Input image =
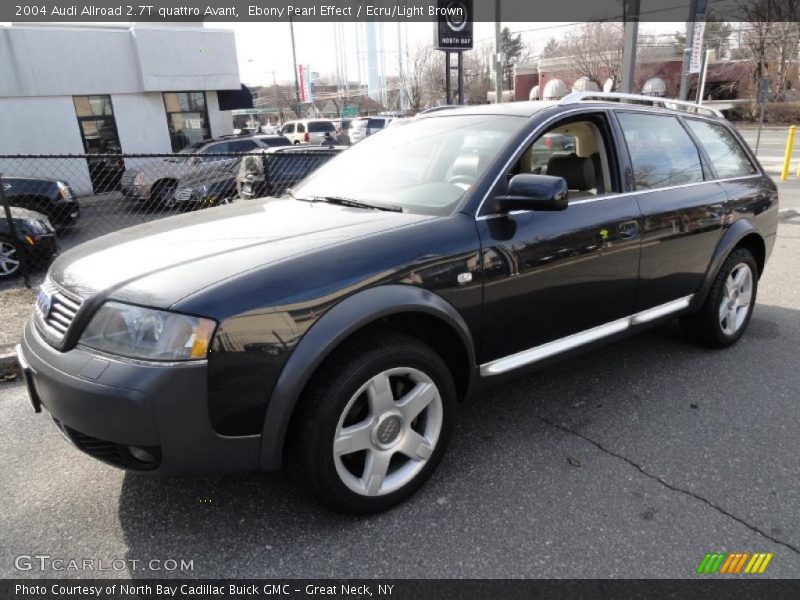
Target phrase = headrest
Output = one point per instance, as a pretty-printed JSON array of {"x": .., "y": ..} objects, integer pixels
[
  {"x": 577, "y": 171},
  {"x": 466, "y": 165}
]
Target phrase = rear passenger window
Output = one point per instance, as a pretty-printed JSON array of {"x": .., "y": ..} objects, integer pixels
[
  {"x": 215, "y": 149},
  {"x": 241, "y": 146},
  {"x": 727, "y": 155},
  {"x": 661, "y": 151}
]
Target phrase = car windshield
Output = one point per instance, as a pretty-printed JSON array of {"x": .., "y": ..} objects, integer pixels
[{"x": 422, "y": 166}]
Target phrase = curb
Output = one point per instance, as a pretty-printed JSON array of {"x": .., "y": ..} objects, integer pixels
[{"x": 9, "y": 367}]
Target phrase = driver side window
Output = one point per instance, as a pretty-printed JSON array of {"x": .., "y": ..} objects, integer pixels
[{"x": 580, "y": 152}]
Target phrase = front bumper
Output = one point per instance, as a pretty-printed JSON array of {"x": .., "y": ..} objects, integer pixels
[
  {"x": 44, "y": 246},
  {"x": 105, "y": 405},
  {"x": 137, "y": 193},
  {"x": 66, "y": 212}
]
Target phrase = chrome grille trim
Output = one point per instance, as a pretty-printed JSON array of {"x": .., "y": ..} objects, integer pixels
[
  {"x": 55, "y": 322},
  {"x": 183, "y": 195}
]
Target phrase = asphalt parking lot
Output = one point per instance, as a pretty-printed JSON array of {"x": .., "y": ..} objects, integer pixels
[{"x": 631, "y": 461}]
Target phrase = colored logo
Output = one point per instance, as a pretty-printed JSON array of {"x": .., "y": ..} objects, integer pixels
[{"x": 733, "y": 563}]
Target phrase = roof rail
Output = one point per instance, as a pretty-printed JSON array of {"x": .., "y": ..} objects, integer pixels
[{"x": 576, "y": 97}]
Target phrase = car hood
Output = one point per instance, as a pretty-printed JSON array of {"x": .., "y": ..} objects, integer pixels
[
  {"x": 23, "y": 214},
  {"x": 160, "y": 262},
  {"x": 159, "y": 168}
]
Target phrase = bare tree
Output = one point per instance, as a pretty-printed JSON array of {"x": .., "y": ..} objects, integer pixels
[
  {"x": 415, "y": 76},
  {"x": 771, "y": 38},
  {"x": 596, "y": 52},
  {"x": 479, "y": 71},
  {"x": 552, "y": 49}
]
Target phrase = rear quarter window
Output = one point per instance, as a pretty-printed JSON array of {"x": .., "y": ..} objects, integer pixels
[
  {"x": 276, "y": 141},
  {"x": 320, "y": 126},
  {"x": 662, "y": 152},
  {"x": 242, "y": 146},
  {"x": 727, "y": 156}
]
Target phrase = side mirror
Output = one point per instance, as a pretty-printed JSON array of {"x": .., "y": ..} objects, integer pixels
[{"x": 527, "y": 191}]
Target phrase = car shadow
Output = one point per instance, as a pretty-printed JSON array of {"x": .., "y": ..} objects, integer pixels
[{"x": 227, "y": 522}]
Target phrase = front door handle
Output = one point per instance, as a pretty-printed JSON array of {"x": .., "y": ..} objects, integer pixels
[{"x": 628, "y": 229}]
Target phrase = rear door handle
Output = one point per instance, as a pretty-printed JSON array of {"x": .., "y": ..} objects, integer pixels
[{"x": 628, "y": 229}]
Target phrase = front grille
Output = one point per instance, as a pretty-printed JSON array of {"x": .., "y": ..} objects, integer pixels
[
  {"x": 117, "y": 455},
  {"x": 183, "y": 195},
  {"x": 56, "y": 309}
]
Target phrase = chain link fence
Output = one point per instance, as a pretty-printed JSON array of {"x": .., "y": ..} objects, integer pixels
[{"x": 51, "y": 203}]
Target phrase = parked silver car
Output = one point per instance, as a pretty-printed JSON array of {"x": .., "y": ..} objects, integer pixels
[
  {"x": 308, "y": 131},
  {"x": 366, "y": 126},
  {"x": 156, "y": 180}
]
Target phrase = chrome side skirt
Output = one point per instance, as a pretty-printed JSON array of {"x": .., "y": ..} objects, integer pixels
[{"x": 537, "y": 353}]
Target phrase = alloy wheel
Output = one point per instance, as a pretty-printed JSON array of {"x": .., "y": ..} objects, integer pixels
[
  {"x": 9, "y": 263},
  {"x": 736, "y": 299},
  {"x": 388, "y": 431}
]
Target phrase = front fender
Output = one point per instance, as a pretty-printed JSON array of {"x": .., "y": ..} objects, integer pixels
[
  {"x": 328, "y": 332},
  {"x": 730, "y": 239}
]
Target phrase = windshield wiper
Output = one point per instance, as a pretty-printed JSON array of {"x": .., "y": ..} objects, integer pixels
[{"x": 341, "y": 201}]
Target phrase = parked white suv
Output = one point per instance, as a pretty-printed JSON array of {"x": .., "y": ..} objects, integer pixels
[
  {"x": 308, "y": 131},
  {"x": 366, "y": 126}
]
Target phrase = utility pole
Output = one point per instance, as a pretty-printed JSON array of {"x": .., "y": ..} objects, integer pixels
[
  {"x": 277, "y": 98},
  {"x": 401, "y": 74},
  {"x": 629, "y": 48},
  {"x": 498, "y": 45},
  {"x": 687, "y": 51},
  {"x": 297, "y": 108}
]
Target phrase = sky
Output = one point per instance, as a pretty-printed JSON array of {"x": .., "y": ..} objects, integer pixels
[{"x": 265, "y": 48}]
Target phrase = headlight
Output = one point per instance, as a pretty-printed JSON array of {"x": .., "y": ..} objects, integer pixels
[
  {"x": 63, "y": 189},
  {"x": 138, "y": 180},
  {"x": 31, "y": 226},
  {"x": 136, "y": 332}
]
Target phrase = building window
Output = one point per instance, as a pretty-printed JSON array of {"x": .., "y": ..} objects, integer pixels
[
  {"x": 187, "y": 118},
  {"x": 99, "y": 135},
  {"x": 98, "y": 128}
]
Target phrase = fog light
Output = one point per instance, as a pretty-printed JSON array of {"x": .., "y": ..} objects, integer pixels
[{"x": 141, "y": 454}]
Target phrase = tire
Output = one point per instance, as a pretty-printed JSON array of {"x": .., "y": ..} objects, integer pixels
[
  {"x": 161, "y": 195},
  {"x": 350, "y": 427},
  {"x": 9, "y": 258},
  {"x": 729, "y": 305}
]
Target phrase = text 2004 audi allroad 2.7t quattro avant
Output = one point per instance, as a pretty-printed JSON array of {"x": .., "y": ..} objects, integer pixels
[{"x": 340, "y": 326}]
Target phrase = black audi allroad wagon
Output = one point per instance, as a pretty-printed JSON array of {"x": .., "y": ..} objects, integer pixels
[{"x": 338, "y": 328}]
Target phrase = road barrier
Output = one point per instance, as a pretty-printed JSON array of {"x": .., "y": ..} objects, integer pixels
[{"x": 89, "y": 195}]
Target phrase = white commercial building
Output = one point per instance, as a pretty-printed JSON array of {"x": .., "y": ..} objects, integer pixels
[{"x": 132, "y": 88}]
